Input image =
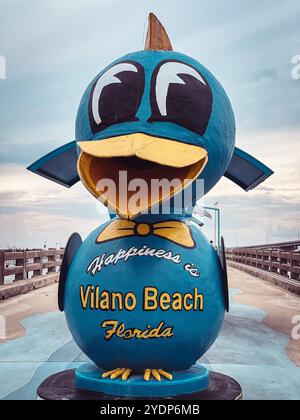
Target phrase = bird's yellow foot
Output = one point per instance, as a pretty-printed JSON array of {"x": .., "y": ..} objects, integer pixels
[
  {"x": 121, "y": 373},
  {"x": 157, "y": 374}
]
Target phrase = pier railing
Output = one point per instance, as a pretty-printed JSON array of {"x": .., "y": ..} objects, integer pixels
[
  {"x": 281, "y": 259},
  {"x": 25, "y": 264}
]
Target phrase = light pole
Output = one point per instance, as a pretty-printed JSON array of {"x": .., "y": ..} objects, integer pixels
[
  {"x": 217, "y": 223},
  {"x": 267, "y": 232},
  {"x": 215, "y": 230}
]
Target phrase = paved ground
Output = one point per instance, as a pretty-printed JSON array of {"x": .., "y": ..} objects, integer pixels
[{"x": 254, "y": 347}]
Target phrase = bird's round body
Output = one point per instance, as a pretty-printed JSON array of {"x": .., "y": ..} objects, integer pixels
[
  {"x": 155, "y": 130},
  {"x": 143, "y": 301}
]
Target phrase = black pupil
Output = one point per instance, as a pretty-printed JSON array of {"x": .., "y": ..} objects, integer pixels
[
  {"x": 119, "y": 102},
  {"x": 188, "y": 105}
]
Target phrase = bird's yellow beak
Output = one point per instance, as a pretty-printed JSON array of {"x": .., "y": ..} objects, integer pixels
[{"x": 141, "y": 157}]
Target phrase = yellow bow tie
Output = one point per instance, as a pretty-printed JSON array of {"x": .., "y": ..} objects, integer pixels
[{"x": 172, "y": 230}]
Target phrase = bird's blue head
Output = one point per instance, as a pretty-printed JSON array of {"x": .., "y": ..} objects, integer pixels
[{"x": 155, "y": 115}]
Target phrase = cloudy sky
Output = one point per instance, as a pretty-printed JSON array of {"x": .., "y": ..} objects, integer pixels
[{"x": 53, "y": 48}]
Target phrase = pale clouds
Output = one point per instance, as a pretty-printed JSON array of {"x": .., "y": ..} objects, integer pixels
[
  {"x": 271, "y": 211},
  {"x": 34, "y": 210}
]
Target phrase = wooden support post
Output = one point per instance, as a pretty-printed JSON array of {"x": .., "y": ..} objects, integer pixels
[
  {"x": 42, "y": 261},
  {"x": 273, "y": 260},
  {"x": 2, "y": 266},
  {"x": 278, "y": 259},
  {"x": 38, "y": 260},
  {"x": 25, "y": 276},
  {"x": 57, "y": 260},
  {"x": 51, "y": 258},
  {"x": 21, "y": 263},
  {"x": 291, "y": 264}
]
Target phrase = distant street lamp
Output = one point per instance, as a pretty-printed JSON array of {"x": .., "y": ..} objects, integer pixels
[
  {"x": 203, "y": 212},
  {"x": 267, "y": 232},
  {"x": 215, "y": 229},
  {"x": 217, "y": 225}
]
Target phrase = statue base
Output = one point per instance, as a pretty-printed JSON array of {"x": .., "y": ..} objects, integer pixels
[
  {"x": 61, "y": 386},
  {"x": 89, "y": 378}
]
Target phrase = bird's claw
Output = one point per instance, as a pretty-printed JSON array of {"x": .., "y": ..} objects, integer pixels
[
  {"x": 157, "y": 374},
  {"x": 125, "y": 373},
  {"x": 122, "y": 373}
]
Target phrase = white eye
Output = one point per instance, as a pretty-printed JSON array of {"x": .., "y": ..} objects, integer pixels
[
  {"x": 108, "y": 78},
  {"x": 170, "y": 73}
]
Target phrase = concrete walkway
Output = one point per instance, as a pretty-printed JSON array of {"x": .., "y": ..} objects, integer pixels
[{"x": 255, "y": 345}]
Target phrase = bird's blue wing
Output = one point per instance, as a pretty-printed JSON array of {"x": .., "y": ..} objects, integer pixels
[
  {"x": 246, "y": 171},
  {"x": 59, "y": 166},
  {"x": 223, "y": 263},
  {"x": 72, "y": 247}
]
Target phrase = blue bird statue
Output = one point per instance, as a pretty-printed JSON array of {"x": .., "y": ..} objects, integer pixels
[{"x": 145, "y": 294}]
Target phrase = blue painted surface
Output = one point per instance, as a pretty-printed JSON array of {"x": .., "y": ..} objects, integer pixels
[
  {"x": 246, "y": 349},
  {"x": 218, "y": 139},
  {"x": 45, "y": 159},
  {"x": 246, "y": 171},
  {"x": 184, "y": 382},
  {"x": 193, "y": 331}
]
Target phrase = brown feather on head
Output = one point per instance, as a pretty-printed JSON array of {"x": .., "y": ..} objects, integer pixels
[{"x": 157, "y": 38}]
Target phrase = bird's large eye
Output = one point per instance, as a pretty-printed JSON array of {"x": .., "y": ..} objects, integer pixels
[
  {"x": 181, "y": 95},
  {"x": 116, "y": 95}
]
